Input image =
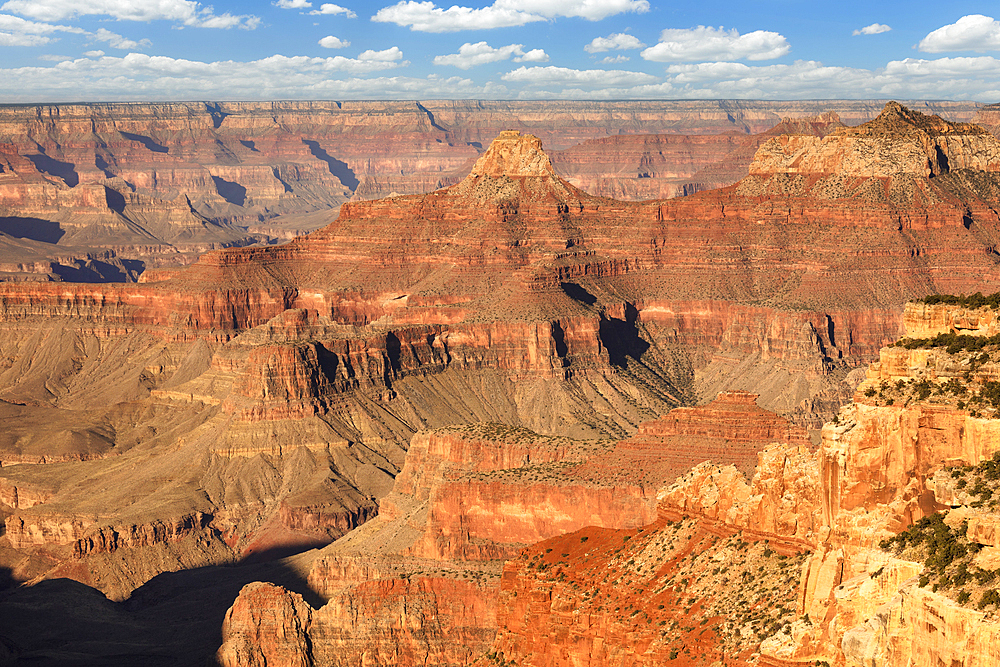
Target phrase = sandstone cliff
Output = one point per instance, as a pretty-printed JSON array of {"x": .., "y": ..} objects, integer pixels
[
  {"x": 260, "y": 401},
  {"x": 98, "y": 192},
  {"x": 419, "y": 583},
  {"x": 866, "y": 593}
]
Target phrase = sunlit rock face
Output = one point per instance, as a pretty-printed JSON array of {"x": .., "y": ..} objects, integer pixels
[{"x": 262, "y": 400}]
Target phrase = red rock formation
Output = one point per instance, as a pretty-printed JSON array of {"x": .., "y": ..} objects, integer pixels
[
  {"x": 489, "y": 491},
  {"x": 660, "y": 166},
  {"x": 423, "y": 620},
  {"x": 275, "y": 389},
  {"x": 730, "y": 430},
  {"x": 159, "y": 183},
  {"x": 642, "y": 598},
  {"x": 267, "y": 626}
]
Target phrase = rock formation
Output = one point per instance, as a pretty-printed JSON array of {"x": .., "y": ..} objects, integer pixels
[
  {"x": 260, "y": 401},
  {"x": 99, "y": 192},
  {"x": 659, "y": 166},
  {"x": 419, "y": 583}
]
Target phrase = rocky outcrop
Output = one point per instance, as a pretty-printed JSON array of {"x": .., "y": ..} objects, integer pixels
[
  {"x": 424, "y": 620},
  {"x": 489, "y": 491},
  {"x": 899, "y": 141},
  {"x": 882, "y": 467},
  {"x": 731, "y": 430},
  {"x": 781, "y": 503},
  {"x": 644, "y": 597},
  {"x": 266, "y": 626}
]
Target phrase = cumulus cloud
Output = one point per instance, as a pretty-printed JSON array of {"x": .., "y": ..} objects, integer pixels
[
  {"x": 708, "y": 43},
  {"x": 329, "y": 8},
  {"x": 93, "y": 54},
  {"x": 481, "y": 53},
  {"x": 974, "y": 32},
  {"x": 116, "y": 41},
  {"x": 546, "y": 76},
  {"x": 611, "y": 60},
  {"x": 21, "y": 39},
  {"x": 616, "y": 41},
  {"x": 293, "y": 4},
  {"x": 331, "y": 42},
  {"x": 385, "y": 56},
  {"x": 427, "y": 17},
  {"x": 188, "y": 12},
  {"x": 873, "y": 29},
  {"x": 143, "y": 77},
  {"x": 533, "y": 56}
]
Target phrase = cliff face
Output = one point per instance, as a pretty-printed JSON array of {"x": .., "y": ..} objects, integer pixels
[
  {"x": 660, "y": 166},
  {"x": 261, "y": 401},
  {"x": 865, "y": 592},
  {"x": 98, "y": 192},
  {"x": 422, "y": 582}
]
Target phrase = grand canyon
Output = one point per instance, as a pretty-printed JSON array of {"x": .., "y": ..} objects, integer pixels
[{"x": 477, "y": 383}]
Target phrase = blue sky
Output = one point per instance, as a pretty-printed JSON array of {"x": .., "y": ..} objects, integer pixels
[{"x": 119, "y": 50}]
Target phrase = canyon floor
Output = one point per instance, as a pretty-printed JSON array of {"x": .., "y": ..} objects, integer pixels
[{"x": 510, "y": 421}]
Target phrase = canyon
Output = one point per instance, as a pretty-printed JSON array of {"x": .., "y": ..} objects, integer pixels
[
  {"x": 878, "y": 547},
  {"x": 101, "y": 192},
  {"x": 418, "y": 433}
]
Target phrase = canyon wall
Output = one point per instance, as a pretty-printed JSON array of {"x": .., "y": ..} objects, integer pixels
[
  {"x": 261, "y": 401},
  {"x": 99, "y": 192},
  {"x": 425, "y": 583}
]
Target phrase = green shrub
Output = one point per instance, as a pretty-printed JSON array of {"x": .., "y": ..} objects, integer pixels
[
  {"x": 976, "y": 300},
  {"x": 989, "y": 597}
]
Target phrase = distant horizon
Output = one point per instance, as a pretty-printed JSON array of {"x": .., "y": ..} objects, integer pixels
[
  {"x": 587, "y": 50},
  {"x": 417, "y": 100}
]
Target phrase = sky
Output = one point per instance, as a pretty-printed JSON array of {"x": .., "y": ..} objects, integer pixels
[{"x": 149, "y": 50}]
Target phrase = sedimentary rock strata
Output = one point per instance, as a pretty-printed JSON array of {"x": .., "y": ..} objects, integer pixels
[
  {"x": 99, "y": 192},
  {"x": 261, "y": 401},
  {"x": 419, "y": 583}
]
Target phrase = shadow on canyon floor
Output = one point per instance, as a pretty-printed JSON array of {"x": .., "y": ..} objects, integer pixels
[
  {"x": 173, "y": 619},
  {"x": 34, "y": 229}
]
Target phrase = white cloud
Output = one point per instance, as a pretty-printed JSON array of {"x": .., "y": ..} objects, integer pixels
[
  {"x": 481, "y": 53},
  {"x": 543, "y": 76},
  {"x": 427, "y": 17},
  {"x": 616, "y": 41},
  {"x": 385, "y": 56},
  {"x": 328, "y": 8},
  {"x": 611, "y": 60},
  {"x": 21, "y": 39},
  {"x": 293, "y": 4},
  {"x": 116, "y": 41},
  {"x": 533, "y": 56},
  {"x": 708, "y": 43},
  {"x": 592, "y": 10},
  {"x": 188, "y": 12},
  {"x": 93, "y": 54},
  {"x": 974, "y": 32},
  {"x": 15, "y": 31},
  {"x": 331, "y": 42},
  {"x": 142, "y": 77},
  {"x": 944, "y": 78},
  {"x": 873, "y": 29}
]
